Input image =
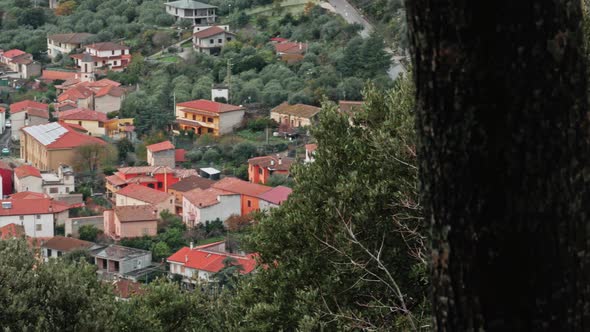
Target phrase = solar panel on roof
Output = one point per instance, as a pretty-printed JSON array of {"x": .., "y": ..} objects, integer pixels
[{"x": 47, "y": 133}]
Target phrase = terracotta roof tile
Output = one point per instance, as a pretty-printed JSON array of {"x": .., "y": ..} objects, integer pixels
[
  {"x": 82, "y": 114},
  {"x": 311, "y": 147},
  {"x": 33, "y": 206},
  {"x": 192, "y": 182},
  {"x": 211, "y": 261},
  {"x": 205, "y": 198},
  {"x": 66, "y": 244},
  {"x": 276, "y": 195},
  {"x": 26, "y": 170},
  {"x": 350, "y": 107},
  {"x": 75, "y": 93},
  {"x": 66, "y": 138},
  {"x": 28, "y": 195},
  {"x": 241, "y": 187},
  {"x": 144, "y": 194},
  {"x": 272, "y": 162},
  {"x": 110, "y": 90},
  {"x": 13, "y": 53},
  {"x": 107, "y": 46},
  {"x": 27, "y": 104},
  {"x": 179, "y": 155},
  {"x": 210, "y": 106},
  {"x": 136, "y": 213},
  {"x": 291, "y": 47},
  {"x": 162, "y": 146},
  {"x": 11, "y": 231},
  {"x": 211, "y": 31}
]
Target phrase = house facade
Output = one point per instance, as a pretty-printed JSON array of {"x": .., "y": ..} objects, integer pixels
[
  {"x": 21, "y": 62},
  {"x": 135, "y": 194},
  {"x": 161, "y": 154},
  {"x": 294, "y": 116},
  {"x": 197, "y": 12},
  {"x": 93, "y": 121},
  {"x": 66, "y": 43},
  {"x": 249, "y": 192},
  {"x": 208, "y": 117},
  {"x": 185, "y": 185},
  {"x": 98, "y": 58},
  {"x": 51, "y": 145},
  {"x": 58, "y": 184},
  {"x": 261, "y": 168},
  {"x": 155, "y": 177},
  {"x": 38, "y": 216},
  {"x": 199, "y": 264},
  {"x": 27, "y": 178},
  {"x": 210, "y": 40},
  {"x": 274, "y": 197},
  {"x": 27, "y": 113},
  {"x": 118, "y": 260},
  {"x": 131, "y": 221},
  {"x": 57, "y": 246},
  {"x": 200, "y": 205}
]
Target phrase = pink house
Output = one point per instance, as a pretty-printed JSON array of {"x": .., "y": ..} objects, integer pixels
[{"x": 131, "y": 221}]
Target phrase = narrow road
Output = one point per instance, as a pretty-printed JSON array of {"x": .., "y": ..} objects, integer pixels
[{"x": 352, "y": 15}]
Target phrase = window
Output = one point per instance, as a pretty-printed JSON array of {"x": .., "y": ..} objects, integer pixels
[
  {"x": 209, "y": 119},
  {"x": 115, "y": 63},
  {"x": 38, "y": 227},
  {"x": 59, "y": 254},
  {"x": 228, "y": 39},
  {"x": 100, "y": 125},
  {"x": 160, "y": 185},
  {"x": 53, "y": 190},
  {"x": 209, "y": 130},
  {"x": 49, "y": 252},
  {"x": 299, "y": 123},
  {"x": 67, "y": 190},
  {"x": 211, "y": 41},
  {"x": 113, "y": 52},
  {"x": 220, "y": 40},
  {"x": 104, "y": 264},
  {"x": 151, "y": 185},
  {"x": 38, "y": 216},
  {"x": 116, "y": 266},
  {"x": 249, "y": 203},
  {"x": 21, "y": 218},
  {"x": 194, "y": 117},
  {"x": 96, "y": 64},
  {"x": 260, "y": 171}
]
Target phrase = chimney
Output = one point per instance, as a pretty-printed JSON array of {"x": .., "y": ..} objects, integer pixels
[{"x": 191, "y": 245}]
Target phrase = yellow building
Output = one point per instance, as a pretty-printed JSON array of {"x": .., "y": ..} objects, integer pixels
[
  {"x": 49, "y": 145},
  {"x": 208, "y": 117},
  {"x": 92, "y": 121}
]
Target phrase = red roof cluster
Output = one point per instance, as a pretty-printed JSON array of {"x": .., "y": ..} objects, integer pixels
[
  {"x": 200, "y": 258},
  {"x": 204, "y": 198},
  {"x": 22, "y": 207},
  {"x": 55, "y": 75},
  {"x": 75, "y": 93},
  {"x": 83, "y": 114},
  {"x": 13, "y": 53},
  {"x": 291, "y": 48},
  {"x": 144, "y": 194},
  {"x": 27, "y": 105},
  {"x": 26, "y": 170},
  {"x": 162, "y": 146},
  {"x": 210, "y": 106},
  {"x": 241, "y": 187},
  {"x": 11, "y": 231}
]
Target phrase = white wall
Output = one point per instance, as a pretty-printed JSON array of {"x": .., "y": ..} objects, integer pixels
[
  {"x": 265, "y": 206},
  {"x": 230, "y": 120},
  {"x": 128, "y": 201},
  {"x": 18, "y": 121},
  {"x": 228, "y": 205},
  {"x": 30, "y": 223},
  {"x": 29, "y": 183}
]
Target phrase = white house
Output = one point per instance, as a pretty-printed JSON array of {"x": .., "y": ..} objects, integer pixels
[
  {"x": 28, "y": 178},
  {"x": 199, "y": 13},
  {"x": 199, "y": 206},
  {"x": 210, "y": 40},
  {"x": 65, "y": 43},
  {"x": 60, "y": 183},
  {"x": 199, "y": 264},
  {"x": 37, "y": 216}
]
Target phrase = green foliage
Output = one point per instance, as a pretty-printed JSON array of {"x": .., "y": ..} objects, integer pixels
[
  {"x": 124, "y": 146},
  {"x": 89, "y": 233},
  {"x": 211, "y": 156},
  {"x": 242, "y": 152},
  {"x": 280, "y": 180}
]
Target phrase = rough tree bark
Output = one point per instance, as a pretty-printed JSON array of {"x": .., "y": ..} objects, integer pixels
[{"x": 504, "y": 147}]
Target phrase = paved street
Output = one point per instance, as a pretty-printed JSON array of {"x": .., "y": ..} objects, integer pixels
[
  {"x": 5, "y": 141},
  {"x": 352, "y": 15}
]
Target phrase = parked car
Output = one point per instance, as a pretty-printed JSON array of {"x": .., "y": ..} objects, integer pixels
[
  {"x": 5, "y": 151},
  {"x": 8, "y": 124}
]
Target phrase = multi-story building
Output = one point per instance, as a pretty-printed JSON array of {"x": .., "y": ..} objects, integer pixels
[
  {"x": 98, "y": 58},
  {"x": 37, "y": 215},
  {"x": 21, "y": 63},
  {"x": 131, "y": 221},
  {"x": 27, "y": 113},
  {"x": 260, "y": 169},
  {"x": 50, "y": 145},
  {"x": 208, "y": 117},
  {"x": 197, "y": 12},
  {"x": 58, "y": 184},
  {"x": 210, "y": 40},
  {"x": 185, "y": 185},
  {"x": 134, "y": 195},
  {"x": 200, "y": 206},
  {"x": 155, "y": 177},
  {"x": 161, "y": 154},
  {"x": 249, "y": 192},
  {"x": 66, "y": 43},
  {"x": 92, "y": 121},
  {"x": 119, "y": 261},
  {"x": 59, "y": 245},
  {"x": 28, "y": 178},
  {"x": 294, "y": 116}
]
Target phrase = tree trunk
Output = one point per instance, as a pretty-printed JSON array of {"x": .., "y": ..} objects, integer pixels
[{"x": 504, "y": 157}]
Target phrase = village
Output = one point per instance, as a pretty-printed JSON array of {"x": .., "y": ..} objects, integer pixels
[{"x": 173, "y": 211}]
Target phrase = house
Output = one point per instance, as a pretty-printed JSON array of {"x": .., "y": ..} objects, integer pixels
[
  {"x": 98, "y": 58},
  {"x": 201, "y": 205},
  {"x": 260, "y": 169},
  {"x": 210, "y": 40},
  {"x": 37, "y": 215},
  {"x": 288, "y": 47},
  {"x": 114, "y": 260},
  {"x": 198, "y": 13},
  {"x": 310, "y": 152},
  {"x": 80, "y": 95},
  {"x": 208, "y": 117},
  {"x": 66, "y": 43},
  {"x": 109, "y": 99},
  {"x": 103, "y": 96},
  {"x": 92, "y": 121},
  {"x": 7, "y": 175},
  {"x": 28, "y": 178},
  {"x": 199, "y": 264},
  {"x": 121, "y": 128},
  {"x": 131, "y": 221},
  {"x": 161, "y": 154},
  {"x": 135, "y": 194},
  {"x": 185, "y": 185},
  {"x": 50, "y": 145},
  {"x": 27, "y": 113},
  {"x": 249, "y": 192},
  {"x": 60, "y": 184},
  {"x": 274, "y": 197},
  {"x": 124, "y": 289},
  {"x": 294, "y": 116},
  {"x": 21, "y": 63},
  {"x": 59, "y": 245},
  {"x": 155, "y": 177}
]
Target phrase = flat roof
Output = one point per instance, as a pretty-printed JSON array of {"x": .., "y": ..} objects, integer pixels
[{"x": 189, "y": 4}]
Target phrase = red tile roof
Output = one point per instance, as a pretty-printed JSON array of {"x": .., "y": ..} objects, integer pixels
[
  {"x": 83, "y": 114},
  {"x": 299, "y": 110},
  {"x": 2, "y": 109},
  {"x": 11, "y": 231},
  {"x": 75, "y": 93},
  {"x": 279, "y": 39},
  {"x": 179, "y": 155},
  {"x": 276, "y": 195},
  {"x": 26, "y": 170},
  {"x": 291, "y": 47},
  {"x": 145, "y": 170},
  {"x": 125, "y": 288},
  {"x": 144, "y": 194},
  {"x": 350, "y": 107},
  {"x": 67, "y": 140},
  {"x": 38, "y": 113},
  {"x": 115, "y": 180},
  {"x": 136, "y": 213},
  {"x": 66, "y": 244},
  {"x": 204, "y": 198},
  {"x": 241, "y": 187},
  {"x": 13, "y": 53},
  {"x": 162, "y": 146},
  {"x": 74, "y": 126},
  {"x": 22, "y": 207},
  {"x": 211, "y": 31},
  {"x": 191, "y": 182},
  {"x": 200, "y": 258},
  {"x": 210, "y": 106},
  {"x": 311, "y": 147},
  {"x": 110, "y": 90},
  {"x": 27, "y": 104},
  {"x": 272, "y": 162},
  {"x": 28, "y": 195}
]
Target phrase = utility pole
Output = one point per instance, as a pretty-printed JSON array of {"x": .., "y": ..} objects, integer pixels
[{"x": 228, "y": 79}]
